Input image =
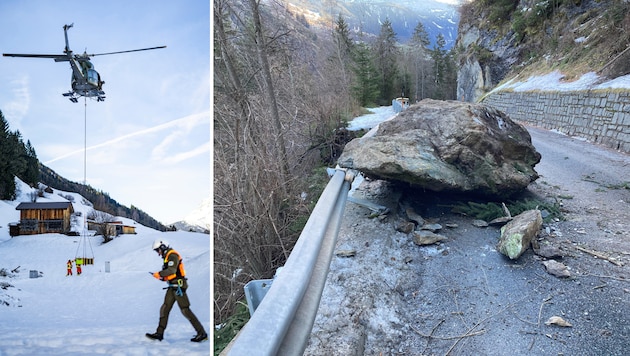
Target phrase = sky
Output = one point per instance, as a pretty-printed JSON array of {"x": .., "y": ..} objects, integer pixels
[
  {"x": 99, "y": 312},
  {"x": 148, "y": 143}
]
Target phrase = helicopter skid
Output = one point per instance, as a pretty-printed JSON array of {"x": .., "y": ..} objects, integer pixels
[{"x": 74, "y": 97}]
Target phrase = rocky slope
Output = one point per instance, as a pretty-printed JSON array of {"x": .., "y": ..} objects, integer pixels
[{"x": 496, "y": 42}]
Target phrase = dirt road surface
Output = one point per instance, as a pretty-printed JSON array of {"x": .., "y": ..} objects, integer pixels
[{"x": 462, "y": 297}]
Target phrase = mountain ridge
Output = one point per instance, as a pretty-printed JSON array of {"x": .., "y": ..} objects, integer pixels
[{"x": 367, "y": 16}]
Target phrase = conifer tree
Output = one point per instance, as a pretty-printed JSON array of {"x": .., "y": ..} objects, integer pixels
[
  {"x": 420, "y": 37},
  {"x": 342, "y": 60},
  {"x": 17, "y": 154},
  {"x": 342, "y": 39},
  {"x": 419, "y": 44},
  {"x": 365, "y": 89},
  {"x": 386, "y": 54},
  {"x": 31, "y": 174},
  {"x": 7, "y": 182},
  {"x": 439, "y": 67}
]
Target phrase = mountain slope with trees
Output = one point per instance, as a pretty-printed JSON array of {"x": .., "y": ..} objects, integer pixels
[
  {"x": 101, "y": 200},
  {"x": 504, "y": 39},
  {"x": 18, "y": 159}
]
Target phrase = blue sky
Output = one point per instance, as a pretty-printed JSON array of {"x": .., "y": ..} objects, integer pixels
[{"x": 149, "y": 141}]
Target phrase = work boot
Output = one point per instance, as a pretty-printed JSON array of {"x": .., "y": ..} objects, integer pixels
[
  {"x": 200, "y": 337},
  {"x": 155, "y": 336}
]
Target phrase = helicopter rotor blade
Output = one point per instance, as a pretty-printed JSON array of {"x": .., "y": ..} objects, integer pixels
[
  {"x": 56, "y": 57},
  {"x": 133, "y": 50}
]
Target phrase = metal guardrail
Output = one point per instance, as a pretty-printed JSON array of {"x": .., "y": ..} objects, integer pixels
[{"x": 284, "y": 319}]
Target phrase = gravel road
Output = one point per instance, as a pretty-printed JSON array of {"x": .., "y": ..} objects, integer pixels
[{"x": 461, "y": 297}]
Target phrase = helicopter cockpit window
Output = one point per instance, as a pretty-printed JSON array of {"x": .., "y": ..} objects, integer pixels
[{"x": 92, "y": 77}]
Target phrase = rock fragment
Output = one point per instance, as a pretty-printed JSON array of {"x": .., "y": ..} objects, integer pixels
[
  {"x": 517, "y": 235},
  {"x": 425, "y": 237},
  {"x": 557, "y": 269}
]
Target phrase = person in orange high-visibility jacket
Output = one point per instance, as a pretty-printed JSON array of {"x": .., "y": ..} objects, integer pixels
[
  {"x": 174, "y": 274},
  {"x": 69, "y": 266}
]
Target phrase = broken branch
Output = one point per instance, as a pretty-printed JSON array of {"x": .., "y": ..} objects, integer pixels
[
  {"x": 599, "y": 255},
  {"x": 468, "y": 334}
]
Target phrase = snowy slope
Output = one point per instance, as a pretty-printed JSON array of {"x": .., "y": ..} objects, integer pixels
[
  {"x": 97, "y": 313},
  {"x": 201, "y": 216},
  {"x": 198, "y": 220}
]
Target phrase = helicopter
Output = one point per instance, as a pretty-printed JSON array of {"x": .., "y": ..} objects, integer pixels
[{"x": 85, "y": 81}]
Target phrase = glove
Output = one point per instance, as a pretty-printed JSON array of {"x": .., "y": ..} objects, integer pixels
[{"x": 157, "y": 275}]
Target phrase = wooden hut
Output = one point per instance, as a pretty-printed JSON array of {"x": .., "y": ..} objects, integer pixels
[
  {"x": 112, "y": 228},
  {"x": 45, "y": 217},
  {"x": 122, "y": 228}
]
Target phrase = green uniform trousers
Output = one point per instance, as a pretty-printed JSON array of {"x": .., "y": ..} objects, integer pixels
[{"x": 184, "y": 305}]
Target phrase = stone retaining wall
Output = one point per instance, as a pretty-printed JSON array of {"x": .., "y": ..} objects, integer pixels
[{"x": 600, "y": 116}]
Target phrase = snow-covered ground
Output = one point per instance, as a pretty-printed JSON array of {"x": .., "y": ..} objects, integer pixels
[
  {"x": 368, "y": 121},
  {"x": 99, "y": 312},
  {"x": 555, "y": 81}
]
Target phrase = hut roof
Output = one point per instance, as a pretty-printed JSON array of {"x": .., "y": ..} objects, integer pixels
[{"x": 44, "y": 206}]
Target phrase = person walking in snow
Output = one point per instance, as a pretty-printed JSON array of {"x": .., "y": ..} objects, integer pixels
[
  {"x": 69, "y": 267},
  {"x": 77, "y": 262},
  {"x": 174, "y": 274}
]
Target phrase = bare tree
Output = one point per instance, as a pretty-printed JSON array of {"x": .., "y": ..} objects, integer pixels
[
  {"x": 261, "y": 49},
  {"x": 102, "y": 220},
  {"x": 273, "y": 101}
]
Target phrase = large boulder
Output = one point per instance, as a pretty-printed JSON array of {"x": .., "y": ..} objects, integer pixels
[{"x": 448, "y": 146}]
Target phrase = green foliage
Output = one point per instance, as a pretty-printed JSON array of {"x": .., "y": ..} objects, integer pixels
[
  {"x": 518, "y": 25},
  {"x": 16, "y": 160},
  {"x": 490, "y": 210},
  {"x": 483, "y": 211},
  {"x": 386, "y": 54},
  {"x": 444, "y": 71},
  {"x": 499, "y": 10},
  {"x": 617, "y": 12},
  {"x": 230, "y": 327},
  {"x": 483, "y": 55},
  {"x": 420, "y": 37},
  {"x": 341, "y": 37},
  {"x": 365, "y": 89}
]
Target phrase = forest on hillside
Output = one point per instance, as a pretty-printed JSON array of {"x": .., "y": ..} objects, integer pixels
[
  {"x": 284, "y": 91},
  {"x": 101, "y": 200},
  {"x": 18, "y": 159}
]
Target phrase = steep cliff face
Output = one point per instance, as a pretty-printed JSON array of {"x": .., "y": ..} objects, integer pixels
[
  {"x": 499, "y": 39},
  {"x": 489, "y": 57}
]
